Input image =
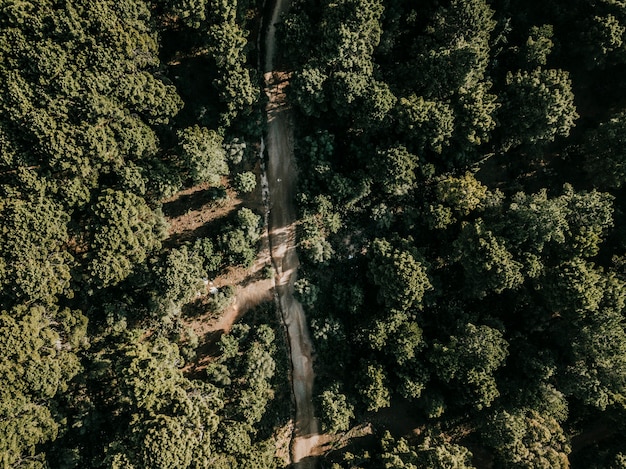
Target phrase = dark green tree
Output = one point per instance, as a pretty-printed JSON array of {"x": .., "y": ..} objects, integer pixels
[
  {"x": 400, "y": 275},
  {"x": 468, "y": 360},
  {"x": 604, "y": 154},
  {"x": 538, "y": 106}
]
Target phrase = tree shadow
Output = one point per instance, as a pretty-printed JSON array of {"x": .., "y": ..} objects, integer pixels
[
  {"x": 310, "y": 462},
  {"x": 194, "y": 201}
]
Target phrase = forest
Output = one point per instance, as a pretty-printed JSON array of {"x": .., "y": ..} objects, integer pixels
[{"x": 461, "y": 233}]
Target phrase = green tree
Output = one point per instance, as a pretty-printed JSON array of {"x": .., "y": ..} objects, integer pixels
[
  {"x": 538, "y": 106},
  {"x": 374, "y": 388},
  {"x": 203, "y": 155},
  {"x": 538, "y": 46},
  {"x": 593, "y": 340},
  {"x": 603, "y": 38},
  {"x": 39, "y": 349},
  {"x": 34, "y": 266},
  {"x": 250, "y": 223},
  {"x": 308, "y": 91},
  {"x": 245, "y": 182},
  {"x": 526, "y": 439},
  {"x": 193, "y": 13},
  {"x": 433, "y": 452},
  {"x": 604, "y": 153},
  {"x": 570, "y": 225},
  {"x": 475, "y": 115},
  {"x": 395, "y": 169},
  {"x": 464, "y": 195},
  {"x": 211, "y": 259},
  {"x": 336, "y": 410},
  {"x": 487, "y": 263},
  {"x": 468, "y": 361},
  {"x": 400, "y": 275},
  {"x": 179, "y": 277},
  {"x": 429, "y": 124},
  {"x": 125, "y": 232},
  {"x": 172, "y": 419}
]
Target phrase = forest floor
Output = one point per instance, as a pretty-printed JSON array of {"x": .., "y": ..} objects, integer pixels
[
  {"x": 282, "y": 174},
  {"x": 191, "y": 214}
]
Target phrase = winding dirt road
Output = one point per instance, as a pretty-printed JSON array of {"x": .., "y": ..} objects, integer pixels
[{"x": 281, "y": 173}]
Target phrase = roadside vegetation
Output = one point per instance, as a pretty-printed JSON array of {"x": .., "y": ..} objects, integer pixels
[
  {"x": 461, "y": 230},
  {"x": 106, "y": 109}
]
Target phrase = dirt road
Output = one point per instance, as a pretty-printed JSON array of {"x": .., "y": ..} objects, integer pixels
[{"x": 281, "y": 174}]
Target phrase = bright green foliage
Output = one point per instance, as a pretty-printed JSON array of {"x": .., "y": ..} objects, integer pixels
[
  {"x": 574, "y": 288},
  {"x": 594, "y": 339},
  {"x": 433, "y": 452},
  {"x": 589, "y": 215},
  {"x": 250, "y": 223},
  {"x": 413, "y": 377},
  {"x": 400, "y": 274},
  {"x": 341, "y": 72},
  {"x": 33, "y": 264},
  {"x": 395, "y": 332},
  {"x": 237, "y": 242},
  {"x": 125, "y": 232},
  {"x": 465, "y": 273},
  {"x": 179, "y": 276},
  {"x": 202, "y": 154},
  {"x": 38, "y": 357},
  {"x": 335, "y": 410},
  {"x": 604, "y": 151},
  {"x": 377, "y": 102},
  {"x": 468, "y": 361},
  {"x": 534, "y": 221},
  {"x": 192, "y": 12},
  {"x": 148, "y": 97},
  {"x": 487, "y": 263},
  {"x": 572, "y": 224},
  {"x": 87, "y": 148},
  {"x": 538, "y": 107},
  {"x": 249, "y": 357},
  {"x": 475, "y": 114},
  {"x": 315, "y": 229},
  {"x": 172, "y": 419},
  {"x": 448, "y": 107},
  {"x": 538, "y": 46},
  {"x": 306, "y": 292},
  {"x": 308, "y": 90},
  {"x": 354, "y": 32},
  {"x": 597, "y": 372},
  {"x": 373, "y": 388},
  {"x": 464, "y": 195},
  {"x": 79, "y": 91},
  {"x": 236, "y": 247},
  {"x": 245, "y": 182},
  {"x": 526, "y": 439}
]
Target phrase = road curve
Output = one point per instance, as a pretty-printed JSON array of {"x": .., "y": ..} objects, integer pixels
[{"x": 281, "y": 175}]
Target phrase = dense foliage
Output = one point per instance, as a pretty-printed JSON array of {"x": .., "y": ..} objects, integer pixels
[
  {"x": 462, "y": 225},
  {"x": 96, "y": 129},
  {"x": 461, "y": 229}
]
